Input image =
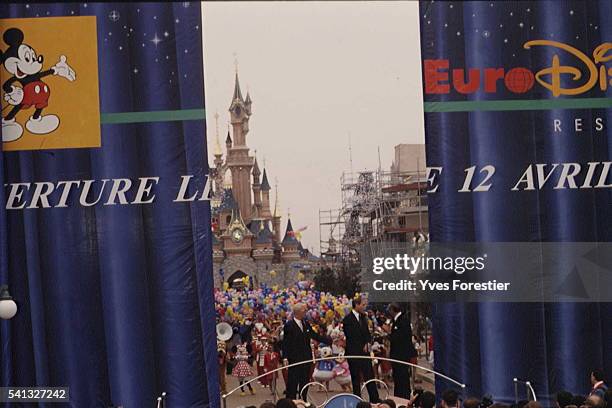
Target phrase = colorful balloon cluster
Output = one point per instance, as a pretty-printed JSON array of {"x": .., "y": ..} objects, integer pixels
[{"x": 272, "y": 302}]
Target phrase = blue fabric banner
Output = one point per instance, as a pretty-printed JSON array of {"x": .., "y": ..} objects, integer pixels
[
  {"x": 492, "y": 79},
  {"x": 112, "y": 269}
]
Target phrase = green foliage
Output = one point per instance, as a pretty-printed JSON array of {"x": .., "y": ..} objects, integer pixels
[{"x": 342, "y": 280}]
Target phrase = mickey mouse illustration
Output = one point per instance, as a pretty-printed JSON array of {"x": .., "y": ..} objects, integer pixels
[{"x": 21, "y": 61}]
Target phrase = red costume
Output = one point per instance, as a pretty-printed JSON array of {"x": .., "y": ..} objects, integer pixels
[
  {"x": 271, "y": 361},
  {"x": 242, "y": 369},
  {"x": 260, "y": 353}
]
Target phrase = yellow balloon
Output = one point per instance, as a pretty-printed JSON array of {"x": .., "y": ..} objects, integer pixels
[{"x": 225, "y": 286}]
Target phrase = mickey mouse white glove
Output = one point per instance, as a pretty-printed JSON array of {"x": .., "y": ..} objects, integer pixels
[
  {"x": 15, "y": 96},
  {"x": 63, "y": 69}
]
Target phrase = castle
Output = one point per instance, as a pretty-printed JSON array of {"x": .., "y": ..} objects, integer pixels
[{"x": 247, "y": 244}]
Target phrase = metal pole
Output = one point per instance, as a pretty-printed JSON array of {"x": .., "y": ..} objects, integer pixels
[
  {"x": 515, "y": 391},
  {"x": 274, "y": 393},
  {"x": 527, "y": 391},
  {"x": 530, "y": 388}
]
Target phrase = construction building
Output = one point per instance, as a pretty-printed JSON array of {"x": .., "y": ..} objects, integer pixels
[{"x": 378, "y": 207}]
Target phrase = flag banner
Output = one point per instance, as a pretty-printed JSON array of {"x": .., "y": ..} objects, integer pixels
[
  {"x": 106, "y": 240},
  {"x": 519, "y": 148}
]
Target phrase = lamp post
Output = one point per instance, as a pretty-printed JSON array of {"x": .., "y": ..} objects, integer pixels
[{"x": 8, "y": 307}]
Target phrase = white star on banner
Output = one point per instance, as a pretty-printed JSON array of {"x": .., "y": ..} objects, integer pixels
[
  {"x": 114, "y": 16},
  {"x": 156, "y": 40}
]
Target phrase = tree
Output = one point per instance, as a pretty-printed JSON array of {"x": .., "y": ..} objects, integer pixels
[
  {"x": 342, "y": 281},
  {"x": 325, "y": 280}
]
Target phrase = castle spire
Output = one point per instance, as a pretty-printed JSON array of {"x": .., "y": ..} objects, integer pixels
[
  {"x": 276, "y": 218},
  {"x": 256, "y": 171},
  {"x": 237, "y": 92},
  {"x": 248, "y": 102},
  {"x": 228, "y": 140},
  {"x": 289, "y": 238},
  {"x": 265, "y": 185}
]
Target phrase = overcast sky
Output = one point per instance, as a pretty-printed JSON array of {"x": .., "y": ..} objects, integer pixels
[{"x": 317, "y": 72}]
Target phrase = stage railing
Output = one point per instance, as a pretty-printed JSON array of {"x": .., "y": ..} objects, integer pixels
[
  {"x": 161, "y": 401},
  {"x": 310, "y": 384},
  {"x": 316, "y": 360},
  {"x": 375, "y": 380},
  {"x": 528, "y": 389}
]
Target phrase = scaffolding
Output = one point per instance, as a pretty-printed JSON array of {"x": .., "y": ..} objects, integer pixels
[
  {"x": 331, "y": 231},
  {"x": 378, "y": 207},
  {"x": 382, "y": 213}
]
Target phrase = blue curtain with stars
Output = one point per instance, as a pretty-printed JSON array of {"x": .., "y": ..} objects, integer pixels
[
  {"x": 116, "y": 302},
  {"x": 486, "y": 345}
]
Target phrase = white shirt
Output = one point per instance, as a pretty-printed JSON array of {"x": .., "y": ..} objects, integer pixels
[
  {"x": 356, "y": 314},
  {"x": 299, "y": 323}
]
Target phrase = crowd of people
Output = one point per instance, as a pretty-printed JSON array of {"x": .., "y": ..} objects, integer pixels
[
  {"x": 599, "y": 396},
  {"x": 275, "y": 327},
  {"x": 288, "y": 328}
]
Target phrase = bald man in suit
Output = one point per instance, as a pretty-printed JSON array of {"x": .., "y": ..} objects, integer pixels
[{"x": 296, "y": 348}]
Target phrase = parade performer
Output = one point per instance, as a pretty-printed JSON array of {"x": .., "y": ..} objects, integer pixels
[
  {"x": 324, "y": 370},
  {"x": 261, "y": 339},
  {"x": 342, "y": 374},
  {"x": 242, "y": 370},
  {"x": 271, "y": 360}
]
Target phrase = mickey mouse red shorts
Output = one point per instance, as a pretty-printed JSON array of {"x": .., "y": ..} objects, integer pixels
[{"x": 36, "y": 94}]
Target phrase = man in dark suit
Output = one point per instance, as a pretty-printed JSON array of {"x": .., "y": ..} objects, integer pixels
[
  {"x": 402, "y": 349},
  {"x": 358, "y": 339},
  {"x": 297, "y": 334},
  {"x": 599, "y": 384}
]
